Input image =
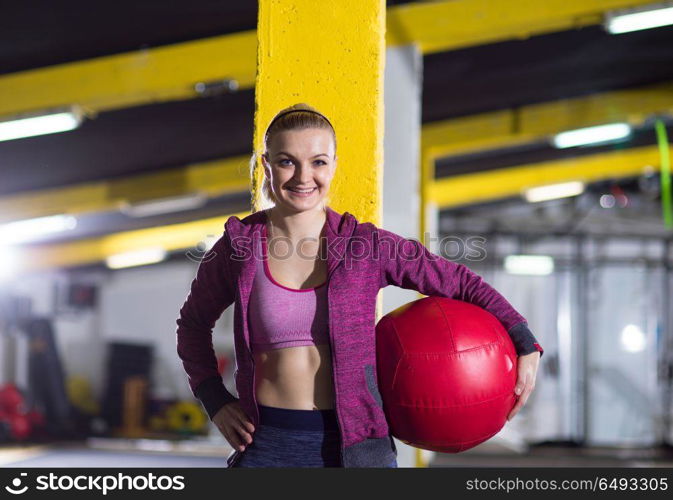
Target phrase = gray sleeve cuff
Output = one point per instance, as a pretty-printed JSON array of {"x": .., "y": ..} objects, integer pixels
[
  {"x": 213, "y": 395},
  {"x": 523, "y": 339}
]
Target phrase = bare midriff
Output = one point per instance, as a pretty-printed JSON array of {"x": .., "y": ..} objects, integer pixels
[{"x": 298, "y": 378}]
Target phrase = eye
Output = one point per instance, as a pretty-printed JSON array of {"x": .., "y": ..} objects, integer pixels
[
  {"x": 282, "y": 162},
  {"x": 321, "y": 161}
]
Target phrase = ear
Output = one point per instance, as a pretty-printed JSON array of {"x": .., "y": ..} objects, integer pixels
[{"x": 266, "y": 165}]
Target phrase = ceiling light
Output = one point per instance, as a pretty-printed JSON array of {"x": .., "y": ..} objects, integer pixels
[
  {"x": 50, "y": 123},
  {"x": 23, "y": 231},
  {"x": 633, "y": 339},
  {"x": 536, "y": 265},
  {"x": 592, "y": 135},
  {"x": 553, "y": 191},
  {"x": 639, "y": 18},
  {"x": 164, "y": 205},
  {"x": 8, "y": 263},
  {"x": 136, "y": 258}
]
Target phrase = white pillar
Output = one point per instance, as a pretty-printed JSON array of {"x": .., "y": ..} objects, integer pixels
[{"x": 401, "y": 173}]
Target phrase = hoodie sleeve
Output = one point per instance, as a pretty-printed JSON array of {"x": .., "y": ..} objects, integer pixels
[
  {"x": 211, "y": 292},
  {"x": 407, "y": 263}
]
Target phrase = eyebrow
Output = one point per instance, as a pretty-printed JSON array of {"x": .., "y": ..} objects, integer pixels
[{"x": 288, "y": 154}]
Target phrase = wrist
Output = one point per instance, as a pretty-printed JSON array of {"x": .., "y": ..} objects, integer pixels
[{"x": 213, "y": 395}]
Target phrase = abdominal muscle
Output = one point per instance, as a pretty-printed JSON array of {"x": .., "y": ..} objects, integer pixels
[{"x": 298, "y": 378}]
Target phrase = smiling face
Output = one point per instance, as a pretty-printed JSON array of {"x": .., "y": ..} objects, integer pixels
[{"x": 300, "y": 165}]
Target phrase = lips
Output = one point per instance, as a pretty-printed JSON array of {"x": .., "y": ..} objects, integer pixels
[{"x": 302, "y": 191}]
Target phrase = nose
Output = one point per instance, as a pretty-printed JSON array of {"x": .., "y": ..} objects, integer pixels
[{"x": 303, "y": 173}]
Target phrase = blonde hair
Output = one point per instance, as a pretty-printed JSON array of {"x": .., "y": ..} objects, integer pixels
[{"x": 296, "y": 117}]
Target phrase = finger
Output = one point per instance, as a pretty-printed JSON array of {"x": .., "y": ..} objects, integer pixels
[
  {"x": 236, "y": 431},
  {"x": 245, "y": 421},
  {"x": 521, "y": 383},
  {"x": 232, "y": 440},
  {"x": 514, "y": 411},
  {"x": 521, "y": 401},
  {"x": 517, "y": 407},
  {"x": 531, "y": 382},
  {"x": 245, "y": 436},
  {"x": 249, "y": 426},
  {"x": 524, "y": 397},
  {"x": 237, "y": 441}
]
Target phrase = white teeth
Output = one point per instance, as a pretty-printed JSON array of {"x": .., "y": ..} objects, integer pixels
[{"x": 301, "y": 190}]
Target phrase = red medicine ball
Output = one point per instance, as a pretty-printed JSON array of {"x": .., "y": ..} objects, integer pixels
[{"x": 446, "y": 373}]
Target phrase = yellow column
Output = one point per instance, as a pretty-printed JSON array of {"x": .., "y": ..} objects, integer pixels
[{"x": 330, "y": 55}]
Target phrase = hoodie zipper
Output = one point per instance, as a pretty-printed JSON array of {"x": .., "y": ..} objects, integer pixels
[
  {"x": 254, "y": 399},
  {"x": 334, "y": 377},
  {"x": 247, "y": 343}
]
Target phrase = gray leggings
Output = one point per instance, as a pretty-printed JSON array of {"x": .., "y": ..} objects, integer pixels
[{"x": 293, "y": 438}]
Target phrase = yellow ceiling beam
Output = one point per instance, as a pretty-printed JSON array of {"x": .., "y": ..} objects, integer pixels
[
  {"x": 133, "y": 78},
  {"x": 170, "y": 72},
  {"x": 443, "y": 26},
  {"x": 501, "y": 183},
  {"x": 214, "y": 178},
  {"x": 531, "y": 123},
  {"x": 536, "y": 122},
  {"x": 90, "y": 251}
]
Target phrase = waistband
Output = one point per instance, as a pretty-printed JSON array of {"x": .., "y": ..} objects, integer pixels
[{"x": 287, "y": 418}]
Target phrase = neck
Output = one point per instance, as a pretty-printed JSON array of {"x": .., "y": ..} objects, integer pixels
[{"x": 297, "y": 225}]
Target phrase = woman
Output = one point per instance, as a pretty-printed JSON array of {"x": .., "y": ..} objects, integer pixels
[{"x": 304, "y": 314}]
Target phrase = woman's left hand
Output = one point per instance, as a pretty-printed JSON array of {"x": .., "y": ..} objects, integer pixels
[{"x": 527, "y": 371}]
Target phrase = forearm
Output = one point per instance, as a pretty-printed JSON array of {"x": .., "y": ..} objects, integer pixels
[
  {"x": 213, "y": 395},
  {"x": 211, "y": 292}
]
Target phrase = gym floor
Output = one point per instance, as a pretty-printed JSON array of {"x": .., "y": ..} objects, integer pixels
[
  {"x": 100, "y": 452},
  {"x": 141, "y": 453}
]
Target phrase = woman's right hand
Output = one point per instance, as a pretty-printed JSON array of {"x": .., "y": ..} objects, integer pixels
[{"x": 234, "y": 425}]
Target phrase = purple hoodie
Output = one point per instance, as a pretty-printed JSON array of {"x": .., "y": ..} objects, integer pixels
[{"x": 361, "y": 259}]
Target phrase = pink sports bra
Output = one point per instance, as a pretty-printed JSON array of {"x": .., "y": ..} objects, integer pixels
[{"x": 285, "y": 317}]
